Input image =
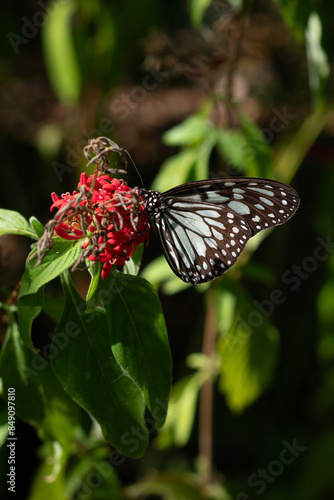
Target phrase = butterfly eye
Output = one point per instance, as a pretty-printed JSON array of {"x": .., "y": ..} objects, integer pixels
[{"x": 204, "y": 226}]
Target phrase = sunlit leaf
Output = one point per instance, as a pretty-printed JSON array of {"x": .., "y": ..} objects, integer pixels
[
  {"x": 90, "y": 374},
  {"x": 12, "y": 222},
  {"x": 190, "y": 132},
  {"x": 181, "y": 412},
  {"x": 175, "y": 170},
  {"x": 61, "y": 256}
]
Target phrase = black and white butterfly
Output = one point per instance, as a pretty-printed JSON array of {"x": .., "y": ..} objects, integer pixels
[{"x": 204, "y": 225}]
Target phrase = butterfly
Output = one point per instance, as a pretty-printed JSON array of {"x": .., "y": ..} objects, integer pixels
[{"x": 204, "y": 225}]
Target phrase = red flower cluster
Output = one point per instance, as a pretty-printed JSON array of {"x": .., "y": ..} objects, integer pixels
[{"x": 108, "y": 214}]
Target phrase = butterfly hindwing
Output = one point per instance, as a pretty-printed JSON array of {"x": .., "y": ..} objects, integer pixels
[
  {"x": 201, "y": 241},
  {"x": 204, "y": 225}
]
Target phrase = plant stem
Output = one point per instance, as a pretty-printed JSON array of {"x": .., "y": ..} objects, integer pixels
[{"x": 206, "y": 393}]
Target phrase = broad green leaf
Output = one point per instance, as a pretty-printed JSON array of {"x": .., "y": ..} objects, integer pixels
[
  {"x": 190, "y": 132},
  {"x": 12, "y": 222},
  {"x": 197, "y": 9},
  {"x": 90, "y": 374},
  {"x": 181, "y": 412},
  {"x": 30, "y": 306},
  {"x": 175, "y": 170},
  {"x": 139, "y": 339},
  {"x": 59, "y": 52},
  {"x": 248, "y": 355},
  {"x": 62, "y": 255}
]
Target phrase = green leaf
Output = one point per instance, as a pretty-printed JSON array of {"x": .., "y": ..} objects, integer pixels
[
  {"x": 175, "y": 170},
  {"x": 95, "y": 273},
  {"x": 53, "y": 306},
  {"x": 42, "y": 488},
  {"x": 159, "y": 274},
  {"x": 30, "y": 306},
  {"x": 139, "y": 339},
  {"x": 181, "y": 412},
  {"x": 318, "y": 65},
  {"x": 204, "y": 150},
  {"x": 3, "y": 422},
  {"x": 90, "y": 374},
  {"x": 62, "y": 255},
  {"x": 37, "y": 226},
  {"x": 232, "y": 146},
  {"x": 248, "y": 356},
  {"x": 176, "y": 485},
  {"x": 190, "y": 132},
  {"x": 39, "y": 398},
  {"x": 12, "y": 222},
  {"x": 258, "y": 155},
  {"x": 197, "y": 9},
  {"x": 296, "y": 14},
  {"x": 20, "y": 369},
  {"x": 132, "y": 266},
  {"x": 61, "y": 415},
  {"x": 59, "y": 52}
]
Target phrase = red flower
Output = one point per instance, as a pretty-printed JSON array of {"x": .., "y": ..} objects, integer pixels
[{"x": 108, "y": 213}]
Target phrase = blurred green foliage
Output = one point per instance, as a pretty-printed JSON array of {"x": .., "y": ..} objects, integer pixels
[{"x": 138, "y": 72}]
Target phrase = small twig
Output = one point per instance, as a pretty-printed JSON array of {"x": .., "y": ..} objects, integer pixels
[{"x": 206, "y": 393}]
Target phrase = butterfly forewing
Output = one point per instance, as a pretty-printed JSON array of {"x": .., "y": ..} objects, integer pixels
[{"x": 204, "y": 225}]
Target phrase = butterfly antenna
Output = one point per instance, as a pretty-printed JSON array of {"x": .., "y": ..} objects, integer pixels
[{"x": 136, "y": 169}]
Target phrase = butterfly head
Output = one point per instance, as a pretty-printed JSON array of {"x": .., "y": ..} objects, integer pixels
[{"x": 151, "y": 201}]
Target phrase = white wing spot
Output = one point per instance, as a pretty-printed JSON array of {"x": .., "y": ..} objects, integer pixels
[
  {"x": 238, "y": 207},
  {"x": 267, "y": 202},
  {"x": 256, "y": 218},
  {"x": 263, "y": 191}
]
